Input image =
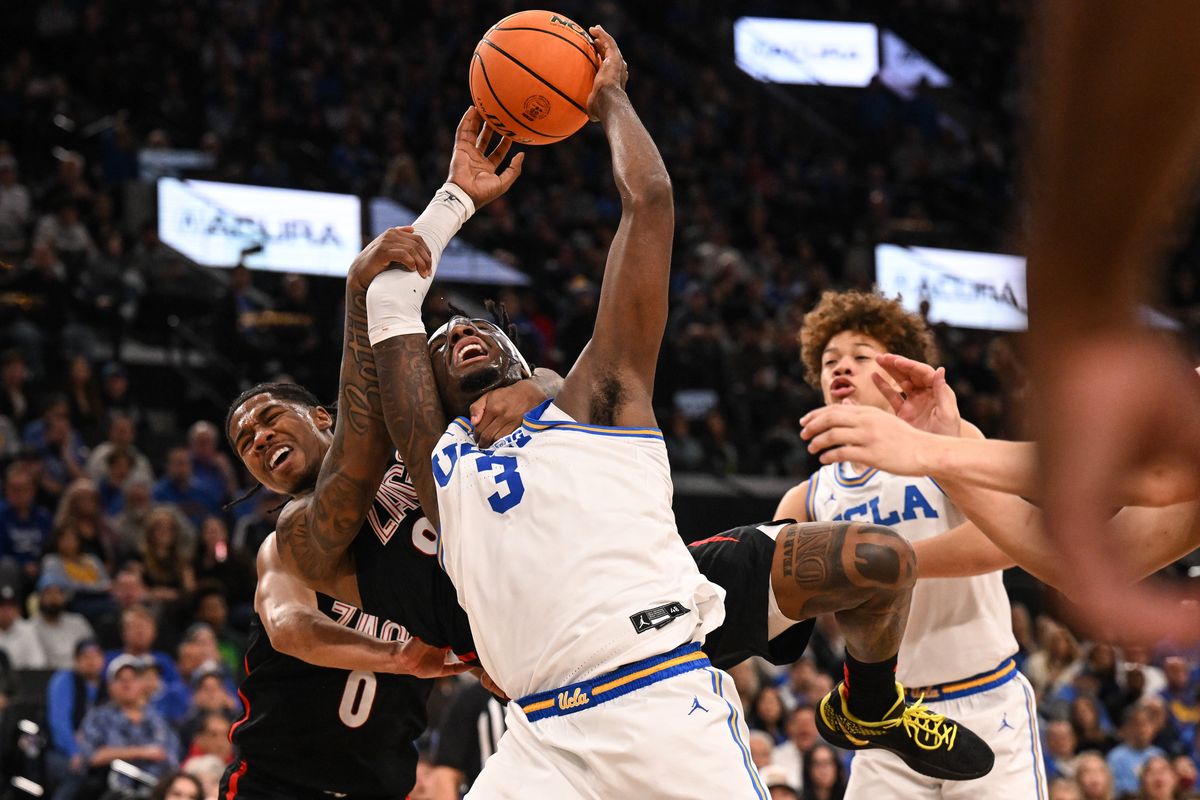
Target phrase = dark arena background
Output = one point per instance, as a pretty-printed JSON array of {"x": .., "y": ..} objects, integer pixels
[{"x": 162, "y": 250}]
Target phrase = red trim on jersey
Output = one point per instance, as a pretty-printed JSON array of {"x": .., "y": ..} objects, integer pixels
[
  {"x": 467, "y": 657},
  {"x": 717, "y": 538},
  {"x": 245, "y": 716},
  {"x": 233, "y": 782}
]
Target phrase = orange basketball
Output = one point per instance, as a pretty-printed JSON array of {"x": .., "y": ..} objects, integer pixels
[{"x": 531, "y": 75}]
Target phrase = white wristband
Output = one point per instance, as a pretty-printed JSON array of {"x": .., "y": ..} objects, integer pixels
[{"x": 395, "y": 297}]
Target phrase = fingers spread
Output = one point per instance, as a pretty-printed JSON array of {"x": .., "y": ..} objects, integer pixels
[
  {"x": 469, "y": 125},
  {"x": 501, "y": 151}
]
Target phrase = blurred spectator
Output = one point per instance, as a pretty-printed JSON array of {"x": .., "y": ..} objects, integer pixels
[
  {"x": 122, "y": 435},
  {"x": 17, "y": 399},
  {"x": 212, "y": 469},
  {"x": 180, "y": 487},
  {"x": 210, "y": 698},
  {"x": 1094, "y": 777},
  {"x": 18, "y": 639},
  {"x": 211, "y": 735},
  {"x": 83, "y": 574},
  {"x": 15, "y": 209},
  {"x": 178, "y": 786},
  {"x": 213, "y": 610},
  {"x": 167, "y": 568},
  {"x": 824, "y": 774},
  {"x": 59, "y": 631},
  {"x": 1055, "y": 663},
  {"x": 217, "y": 562},
  {"x": 1186, "y": 771},
  {"x": 1088, "y": 726},
  {"x": 71, "y": 693},
  {"x": 207, "y": 769},
  {"x": 1059, "y": 750},
  {"x": 253, "y": 528},
  {"x": 761, "y": 745},
  {"x": 52, "y": 439},
  {"x": 65, "y": 232},
  {"x": 1157, "y": 780},
  {"x": 119, "y": 466},
  {"x": 39, "y": 305},
  {"x": 776, "y": 779},
  {"x": 80, "y": 509},
  {"x": 1135, "y": 749},
  {"x": 767, "y": 714},
  {"x": 131, "y": 523},
  {"x": 139, "y": 630},
  {"x": 126, "y": 727},
  {"x": 802, "y": 736},
  {"x": 128, "y": 591},
  {"x": 1064, "y": 789},
  {"x": 685, "y": 451},
  {"x": 116, "y": 395},
  {"x": 1180, "y": 694},
  {"x": 83, "y": 398},
  {"x": 24, "y": 525}
]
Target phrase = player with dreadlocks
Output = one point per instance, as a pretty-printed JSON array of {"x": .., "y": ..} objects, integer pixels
[{"x": 349, "y": 580}]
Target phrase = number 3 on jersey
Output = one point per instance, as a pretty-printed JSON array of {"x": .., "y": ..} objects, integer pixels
[{"x": 501, "y": 469}]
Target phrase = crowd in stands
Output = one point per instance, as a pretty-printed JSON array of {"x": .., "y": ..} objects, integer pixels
[{"x": 123, "y": 572}]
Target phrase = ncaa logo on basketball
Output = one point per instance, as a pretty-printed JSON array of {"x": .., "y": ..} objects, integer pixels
[
  {"x": 566, "y": 23},
  {"x": 576, "y": 700},
  {"x": 535, "y": 107}
]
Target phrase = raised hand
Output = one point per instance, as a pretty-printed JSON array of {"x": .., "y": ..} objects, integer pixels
[
  {"x": 473, "y": 168},
  {"x": 394, "y": 248},
  {"x": 865, "y": 435},
  {"x": 611, "y": 76},
  {"x": 925, "y": 400}
]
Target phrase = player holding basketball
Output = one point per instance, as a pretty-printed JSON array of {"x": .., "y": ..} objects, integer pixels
[
  {"x": 560, "y": 537},
  {"x": 958, "y": 648}
]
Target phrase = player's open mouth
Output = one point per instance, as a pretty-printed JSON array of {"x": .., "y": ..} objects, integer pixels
[
  {"x": 278, "y": 456},
  {"x": 841, "y": 388},
  {"x": 468, "y": 349}
]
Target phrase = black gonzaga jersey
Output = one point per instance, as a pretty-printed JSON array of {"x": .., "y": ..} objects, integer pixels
[
  {"x": 326, "y": 730},
  {"x": 739, "y": 561},
  {"x": 395, "y": 557},
  {"x": 319, "y": 731}
]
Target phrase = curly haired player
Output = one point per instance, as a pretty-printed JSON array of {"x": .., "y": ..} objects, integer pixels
[{"x": 957, "y": 651}]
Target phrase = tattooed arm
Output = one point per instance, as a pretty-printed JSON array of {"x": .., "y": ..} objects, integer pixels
[
  {"x": 315, "y": 531},
  {"x": 411, "y": 405},
  {"x": 862, "y": 573}
]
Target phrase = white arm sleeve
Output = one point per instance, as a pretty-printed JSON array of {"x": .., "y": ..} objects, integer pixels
[{"x": 395, "y": 297}]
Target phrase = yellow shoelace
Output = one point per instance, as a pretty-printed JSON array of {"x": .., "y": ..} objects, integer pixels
[{"x": 927, "y": 729}]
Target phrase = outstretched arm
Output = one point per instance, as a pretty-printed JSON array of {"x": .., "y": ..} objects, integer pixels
[
  {"x": 315, "y": 532},
  {"x": 298, "y": 628},
  {"x": 411, "y": 405},
  {"x": 613, "y": 381}
]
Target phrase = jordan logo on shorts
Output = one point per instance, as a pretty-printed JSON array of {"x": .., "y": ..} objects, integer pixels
[
  {"x": 1004, "y": 723},
  {"x": 696, "y": 705}
]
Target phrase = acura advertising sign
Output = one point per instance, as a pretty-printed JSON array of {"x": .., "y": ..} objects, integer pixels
[{"x": 283, "y": 230}]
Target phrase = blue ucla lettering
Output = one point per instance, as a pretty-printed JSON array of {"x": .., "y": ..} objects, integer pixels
[
  {"x": 890, "y": 519},
  {"x": 913, "y": 499},
  {"x": 451, "y": 452},
  {"x": 856, "y": 511}
]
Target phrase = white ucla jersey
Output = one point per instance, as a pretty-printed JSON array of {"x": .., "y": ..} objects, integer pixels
[
  {"x": 957, "y": 627},
  {"x": 562, "y": 545}
]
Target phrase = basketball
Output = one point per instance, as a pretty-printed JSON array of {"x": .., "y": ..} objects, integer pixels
[{"x": 531, "y": 75}]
